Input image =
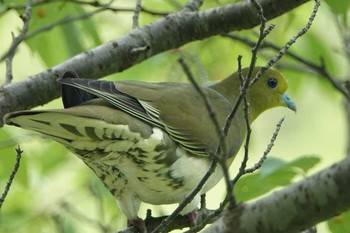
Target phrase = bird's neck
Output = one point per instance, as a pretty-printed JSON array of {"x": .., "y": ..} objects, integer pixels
[{"x": 230, "y": 89}]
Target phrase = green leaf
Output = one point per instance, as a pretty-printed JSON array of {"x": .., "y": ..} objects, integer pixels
[
  {"x": 340, "y": 223},
  {"x": 271, "y": 165},
  {"x": 72, "y": 38},
  {"x": 64, "y": 40},
  {"x": 88, "y": 28},
  {"x": 274, "y": 173},
  {"x": 305, "y": 163},
  {"x": 340, "y": 7}
]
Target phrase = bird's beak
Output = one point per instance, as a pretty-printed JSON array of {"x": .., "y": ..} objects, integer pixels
[{"x": 289, "y": 103}]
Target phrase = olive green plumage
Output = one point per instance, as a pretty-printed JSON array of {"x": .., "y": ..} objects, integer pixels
[{"x": 151, "y": 142}]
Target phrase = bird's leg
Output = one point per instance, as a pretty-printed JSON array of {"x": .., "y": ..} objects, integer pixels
[
  {"x": 130, "y": 205},
  {"x": 139, "y": 224},
  {"x": 191, "y": 210},
  {"x": 192, "y": 217}
]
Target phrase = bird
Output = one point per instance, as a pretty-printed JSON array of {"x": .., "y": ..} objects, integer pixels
[{"x": 152, "y": 142}]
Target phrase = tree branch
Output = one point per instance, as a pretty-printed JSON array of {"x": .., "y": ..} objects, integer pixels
[
  {"x": 294, "y": 208},
  {"x": 26, "y": 16},
  {"x": 167, "y": 33},
  {"x": 92, "y": 3},
  {"x": 135, "y": 18},
  {"x": 193, "y": 5},
  {"x": 12, "y": 176},
  {"x": 317, "y": 68},
  {"x": 285, "y": 48}
]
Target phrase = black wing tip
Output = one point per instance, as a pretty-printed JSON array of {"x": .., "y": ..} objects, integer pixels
[
  {"x": 68, "y": 77},
  {"x": 74, "y": 90}
]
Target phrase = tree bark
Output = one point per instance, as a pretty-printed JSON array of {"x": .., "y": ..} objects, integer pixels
[
  {"x": 294, "y": 208},
  {"x": 164, "y": 34}
]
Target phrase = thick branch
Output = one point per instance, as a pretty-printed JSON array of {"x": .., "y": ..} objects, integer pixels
[
  {"x": 294, "y": 208},
  {"x": 167, "y": 33}
]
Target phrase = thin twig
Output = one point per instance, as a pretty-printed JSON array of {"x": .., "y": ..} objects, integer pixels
[
  {"x": 135, "y": 18},
  {"x": 65, "y": 20},
  {"x": 244, "y": 88},
  {"x": 317, "y": 68},
  {"x": 70, "y": 19},
  {"x": 193, "y": 5},
  {"x": 229, "y": 188},
  {"x": 249, "y": 130},
  {"x": 212, "y": 114},
  {"x": 243, "y": 92},
  {"x": 197, "y": 65},
  {"x": 12, "y": 175},
  {"x": 179, "y": 223},
  {"x": 26, "y": 16},
  {"x": 241, "y": 172},
  {"x": 203, "y": 201},
  {"x": 228, "y": 122},
  {"x": 51, "y": 26},
  {"x": 93, "y": 3},
  {"x": 284, "y": 49},
  {"x": 268, "y": 149},
  {"x": 162, "y": 226},
  {"x": 221, "y": 153},
  {"x": 247, "y": 84},
  {"x": 213, "y": 164},
  {"x": 262, "y": 35}
]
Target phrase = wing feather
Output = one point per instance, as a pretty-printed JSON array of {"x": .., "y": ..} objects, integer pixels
[{"x": 106, "y": 90}]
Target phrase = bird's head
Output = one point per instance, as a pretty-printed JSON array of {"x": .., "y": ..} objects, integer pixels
[{"x": 268, "y": 92}]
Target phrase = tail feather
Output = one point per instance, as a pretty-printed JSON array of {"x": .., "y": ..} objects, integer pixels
[{"x": 73, "y": 131}]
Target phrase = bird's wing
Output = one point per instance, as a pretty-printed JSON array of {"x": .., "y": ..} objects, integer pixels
[
  {"x": 183, "y": 113},
  {"x": 176, "y": 108},
  {"x": 106, "y": 90}
]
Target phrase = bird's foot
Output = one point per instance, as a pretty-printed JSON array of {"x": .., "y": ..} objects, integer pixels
[
  {"x": 192, "y": 217},
  {"x": 139, "y": 224}
]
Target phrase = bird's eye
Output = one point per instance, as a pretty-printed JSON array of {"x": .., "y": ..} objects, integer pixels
[{"x": 272, "y": 83}]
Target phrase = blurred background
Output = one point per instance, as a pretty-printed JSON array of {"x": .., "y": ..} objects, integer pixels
[{"x": 55, "y": 192}]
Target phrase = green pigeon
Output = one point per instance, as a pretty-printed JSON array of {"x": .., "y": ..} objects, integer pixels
[{"x": 151, "y": 142}]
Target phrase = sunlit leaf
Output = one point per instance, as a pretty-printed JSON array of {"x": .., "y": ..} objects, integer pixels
[
  {"x": 271, "y": 165},
  {"x": 340, "y": 223},
  {"x": 274, "y": 173},
  {"x": 63, "y": 40},
  {"x": 340, "y": 7}
]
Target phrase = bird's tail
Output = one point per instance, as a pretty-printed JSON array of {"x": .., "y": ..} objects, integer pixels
[
  {"x": 77, "y": 132},
  {"x": 59, "y": 126}
]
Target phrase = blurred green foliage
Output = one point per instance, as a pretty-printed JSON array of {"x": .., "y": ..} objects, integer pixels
[
  {"x": 55, "y": 192},
  {"x": 340, "y": 223},
  {"x": 274, "y": 173}
]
